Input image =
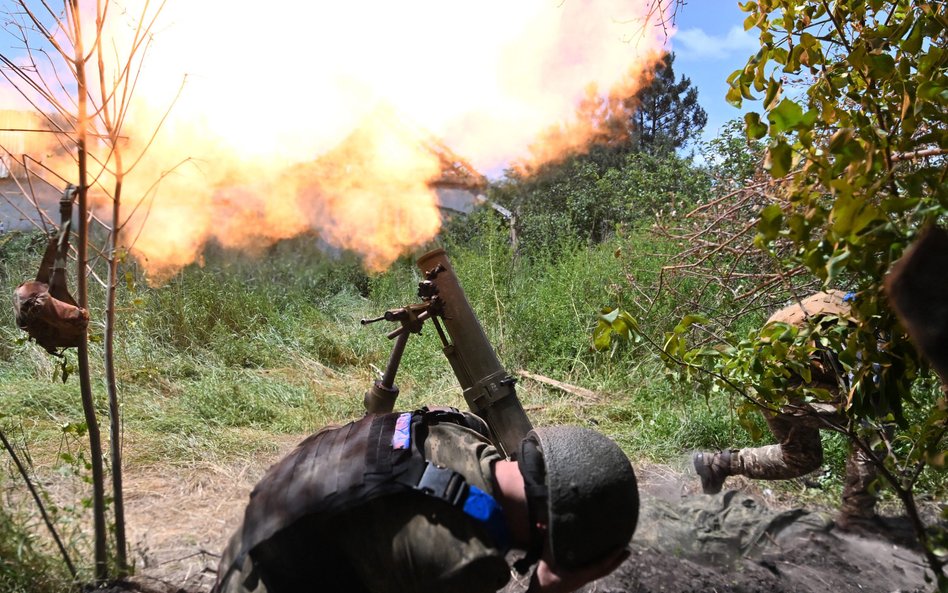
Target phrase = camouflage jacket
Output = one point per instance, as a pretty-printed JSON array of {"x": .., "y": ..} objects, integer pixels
[{"x": 402, "y": 543}]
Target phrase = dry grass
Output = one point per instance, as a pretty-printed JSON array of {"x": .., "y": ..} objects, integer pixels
[{"x": 180, "y": 517}]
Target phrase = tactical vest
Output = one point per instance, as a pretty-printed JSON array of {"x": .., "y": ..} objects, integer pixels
[{"x": 336, "y": 470}]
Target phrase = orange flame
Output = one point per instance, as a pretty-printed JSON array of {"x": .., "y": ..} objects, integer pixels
[{"x": 292, "y": 117}]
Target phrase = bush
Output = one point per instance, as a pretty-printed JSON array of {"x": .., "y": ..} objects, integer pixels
[
  {"x": 578, "y": 200},
  {"x": 27, "y": 563}
]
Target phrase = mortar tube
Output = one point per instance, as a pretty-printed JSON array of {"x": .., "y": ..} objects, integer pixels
[{"x": 488, "y": 388}]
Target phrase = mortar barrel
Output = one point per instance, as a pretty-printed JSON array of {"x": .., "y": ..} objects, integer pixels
[{"x": 488, "y": 388}]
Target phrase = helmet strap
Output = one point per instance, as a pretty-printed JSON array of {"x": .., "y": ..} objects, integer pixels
[
  {"x": 534, "y": 553},
  {"x": 533, "y": 470}
]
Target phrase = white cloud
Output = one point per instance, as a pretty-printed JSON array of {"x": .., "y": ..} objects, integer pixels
[{"x": 691, "y": 44}]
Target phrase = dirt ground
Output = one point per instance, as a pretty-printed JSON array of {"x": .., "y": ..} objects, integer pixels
[{"x": 741, "y": 541}]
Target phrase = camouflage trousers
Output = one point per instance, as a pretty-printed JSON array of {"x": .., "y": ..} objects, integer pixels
[{"x": 799, "y": 451}]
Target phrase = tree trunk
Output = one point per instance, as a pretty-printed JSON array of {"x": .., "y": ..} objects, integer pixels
[
  {"x": 82, "y": 290},
  {"x": 88, "y": 407},
  {"x": 115, "y": 425}
]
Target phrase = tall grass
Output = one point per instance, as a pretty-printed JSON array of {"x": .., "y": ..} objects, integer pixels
[{"x": 235, "y": 343}]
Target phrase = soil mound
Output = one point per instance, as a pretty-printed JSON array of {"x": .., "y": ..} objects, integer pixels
[{"x": 733, "y": 542}]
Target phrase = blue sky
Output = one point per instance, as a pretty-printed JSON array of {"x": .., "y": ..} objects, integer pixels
[{"x": 710, "y": 44}]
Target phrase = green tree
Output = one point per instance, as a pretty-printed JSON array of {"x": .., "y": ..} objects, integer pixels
[
  {"x": 854, "y": 112},
  {"x": 732, "y": 159},
  {"x": 666, "y": 115},
  {"x": 660, "y": 116},
  {"x": 577, "y": 200}
]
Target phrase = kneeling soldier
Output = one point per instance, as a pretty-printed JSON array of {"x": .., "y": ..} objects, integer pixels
[{"x": 799, "y": 450}]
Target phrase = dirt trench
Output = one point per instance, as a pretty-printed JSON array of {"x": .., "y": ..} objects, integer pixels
[{"x": 740, "y": 541}]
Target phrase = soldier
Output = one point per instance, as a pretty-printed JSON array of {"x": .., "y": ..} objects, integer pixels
[
  {"x": 423, "y": 502},
  {"x": 799, "y": 450}
]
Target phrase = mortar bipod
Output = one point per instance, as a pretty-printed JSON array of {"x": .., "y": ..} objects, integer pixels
[{"x": 380, "y": 398}]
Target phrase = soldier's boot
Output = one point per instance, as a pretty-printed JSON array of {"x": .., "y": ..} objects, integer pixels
[{"x": 713, "y": 469}]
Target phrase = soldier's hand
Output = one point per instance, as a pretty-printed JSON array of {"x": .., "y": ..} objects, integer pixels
[{"x": 547, "y": 579}]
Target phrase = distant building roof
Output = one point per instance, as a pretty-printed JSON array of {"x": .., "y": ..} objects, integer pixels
[{"x": 455, "y": 171}]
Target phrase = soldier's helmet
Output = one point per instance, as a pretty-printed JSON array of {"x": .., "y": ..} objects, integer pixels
[
  {"x": 815, "y": 306},
  {"x": 582, "y": 485}
]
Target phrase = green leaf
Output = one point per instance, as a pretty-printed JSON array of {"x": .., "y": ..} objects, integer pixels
[
  {"x": 630, "y": 321},
  {"x": 77, "y": 428},
  {"x": 621, "y": 328},
  {"x": 809, "y": 118},
  {"x": 798, "y": 228},
  {"x": 602, "y": 336},
  {"x": 773, "y": 94},
  {"x": 785, "y": 115},
  {"x": 779, "y": 54},
  {"x": 808, "y": 41},
  {"x": 771, "y": 218},
  {"x": 65, "y": 369},
  {"x": 793, "y": 60},
  {"x": 840, "y": 139},
  {"x": 614, "y": 321},
  {"x": 779, "y": 159},
  {"x": 709, "y": 353},
  {"x": 747, "y": 414},
  {"x": 913, "y": 43},
  {"x": 673, "y": 345},
  {"x": 734, "y": 96},
  {"x": 687, "y": 321},
  {"x": 881, "y": 65},
  {"x": 929, "y": 90},
  {"x": 745, "y": 91},
  {"x": 756, "y": 129},
  {"x": 609, "y": 315},
  {"x": 751, "y": 21},
  {"x": 836, "y": 264},
  {"x": 899, "y": 205},
  {"x": 858, "y": 58},
  {"x": 815, "y": 260}
]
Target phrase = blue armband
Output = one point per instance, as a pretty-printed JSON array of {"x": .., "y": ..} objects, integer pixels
[{"x": 482, "y": 506}]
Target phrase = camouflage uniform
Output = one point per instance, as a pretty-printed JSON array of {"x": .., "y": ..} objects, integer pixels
[
  {"x": 799, "y": 449},
  {"x": 396, "y": 544}
]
